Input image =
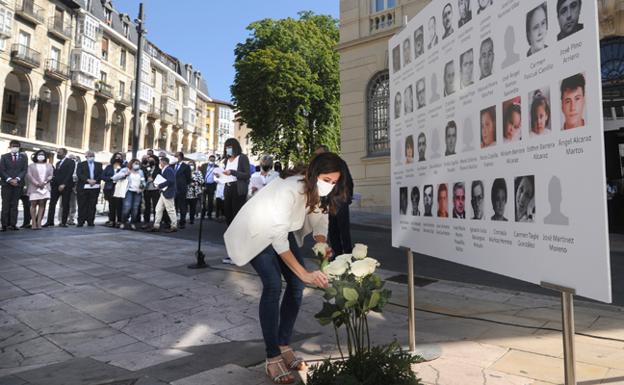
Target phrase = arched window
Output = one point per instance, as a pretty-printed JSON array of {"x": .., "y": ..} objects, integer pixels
[
  {"x": 612, "y": 61},
  {"x": 377, "y": 117}
]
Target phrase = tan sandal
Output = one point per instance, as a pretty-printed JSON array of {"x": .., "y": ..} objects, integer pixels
[
  {"x": 295, "y": 363},
  {"x": 284, "y": 376}
]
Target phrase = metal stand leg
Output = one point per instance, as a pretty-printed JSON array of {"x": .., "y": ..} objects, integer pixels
[
  {"x": 411, "y": 314},
  {"x": 567, "y": 321},
  {"x": 201, "y": 263}
]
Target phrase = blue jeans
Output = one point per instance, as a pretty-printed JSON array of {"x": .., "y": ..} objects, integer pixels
[
  {"x": 131, "y": 204},
  {"x": 277, "y": 322}
]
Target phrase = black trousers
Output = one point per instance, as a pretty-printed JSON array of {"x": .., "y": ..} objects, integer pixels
[
  {"x": 209, "y": 195},
  {"x": 340, "y": 231},
  {"x": 191, "y": 204},
  {"x": 87, "y": 202},
  {"x": 54, "y": 197},
  {"x": 150, "y": 199},
  {"x": 108, "y": 195},
  {"x": 180, "y": 203},
  {"x": 26, "y": 205},
  {"x": 232, "y": 202},
  {"x": 10, "y": 199}
]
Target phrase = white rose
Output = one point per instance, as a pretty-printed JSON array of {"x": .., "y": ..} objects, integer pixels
[
  {"x": 319, "y": 249},
  {"x": 364, "y": 267},
  {"x": 336, "y": 268},
  {"x": 345, "y": 258},
  {"x": 360, "y": 251}
]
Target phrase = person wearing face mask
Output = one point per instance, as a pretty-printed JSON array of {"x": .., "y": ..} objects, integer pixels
[
  {"x": 13, "y": 168},
  {"x": 130, "y": 184},
  {"x": 114, "y": 214},
  {"x": 89, "y": 175},
  {"x": 261, "y": 178},
  {"x": 299, "y": 202},
  {"x": 194, "y": 191},
  {"x": 210, "y": 187},
  {"x": 73, "y": 202},
  {"x": 151, "y": 194},
  {"x": 183, "y": 180},
  {"x": 62, "y": 185},
  {"x": 38, "y": 179},
  {"x": 236, "y": 180}
]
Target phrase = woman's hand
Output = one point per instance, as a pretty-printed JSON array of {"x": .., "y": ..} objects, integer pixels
[
  {"x": 316, "y": 278},
  {"x": 227, "y": 172}
]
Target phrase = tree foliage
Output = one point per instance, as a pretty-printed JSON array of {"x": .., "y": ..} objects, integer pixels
[{"x": 286, "y": 86}]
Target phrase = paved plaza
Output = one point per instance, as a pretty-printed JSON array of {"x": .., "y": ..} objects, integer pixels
[{"x": 102, "y": 306}]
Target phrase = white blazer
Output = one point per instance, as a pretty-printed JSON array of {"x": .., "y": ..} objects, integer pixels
[{"x": 274, "y": 211}]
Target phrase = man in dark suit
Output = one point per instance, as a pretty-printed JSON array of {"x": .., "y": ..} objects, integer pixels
[
  {"x": 89, "y": 175},
  {"x": 210, "y": 186},
  {"x": 167, "y": 196},
  {"x": 183, "y": 179},
  {"x": 61, "y": 184},
  {"x": 13, "y": 167}
]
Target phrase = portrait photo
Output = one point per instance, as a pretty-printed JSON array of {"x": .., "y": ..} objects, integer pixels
[
  {"x": 442, "y": 201},
  {"x": 540, "y": 112},
  {"x": 421, "y": 100},
  {"x": 449, "y": 78},
  {"x": 488, "y": 127},
  {"x": 407, "y": 52},
  {"x": 447, "y": 20},
  {"x": 499, "y": 199},
  {"x": 568, "y": 15},
  {"x": 450, "y": 138},
  {"x": 465, "y": 13},
  {"x": 537, "y": 28},
  {"x": 524, "y": 187},
  {"x": 427, "y": 200},
  {"x": 422, "y": 146},
  {"x": 573, "y": 101},
  {"x": 512, "y": 120},
  {"x": 466, "y": 68},
  {"x": 486, "y": 58},
  {"x": 419, "y": 42},
  {"x": 408, "y": 99},
  {"x": 409, "y": 149},
  {"x": 398, "y": 105},
  {"x": 483, "y": 5},
  {"x": 477, "y": 197},
  {"x": 403, "y": 200},
  {"x": 459, "y": 200},
  {"x": 396, "y": 59},
  {"x": 432, "y": 30},
  {"x": 415, "y": 197}
]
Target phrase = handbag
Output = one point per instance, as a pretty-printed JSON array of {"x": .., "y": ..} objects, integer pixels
[{"x": 120, "y": 188}]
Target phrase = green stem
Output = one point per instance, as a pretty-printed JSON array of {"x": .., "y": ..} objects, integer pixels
[
  {"x": 338, "y": 342},
  {"x": 367, "y": 332},
  {"x": 349, "y": 342}
]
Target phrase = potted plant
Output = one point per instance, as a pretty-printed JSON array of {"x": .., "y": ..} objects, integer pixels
[{"x": 354, "y": 291}]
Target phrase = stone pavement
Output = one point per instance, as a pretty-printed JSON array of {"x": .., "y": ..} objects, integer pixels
[{"x": 101, "y": 306}]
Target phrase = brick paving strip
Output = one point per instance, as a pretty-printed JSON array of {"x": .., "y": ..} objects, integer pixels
[{"x": 116, "y": 308}]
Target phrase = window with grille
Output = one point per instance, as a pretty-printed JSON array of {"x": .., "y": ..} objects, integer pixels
[{"x": 377, "y": 117}]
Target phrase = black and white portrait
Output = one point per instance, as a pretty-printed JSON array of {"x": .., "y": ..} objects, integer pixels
[
  {"x": 403, "y": 200},
  {"x": 397, "y": 105},
  {"x": 408, "y": 99},
  {"x": 499, "y": 199},
  {"x": 396, "y": 59},
  {"x": 459, "y": 200},
  {"x": 447, "y": 20},
  {"x": 420, "y": 93},
  {"x": 427, "y": 200},
  {"x": 537, "y": 28},
  {"x": 419, "y": 42},
  {"x": 568, "y": 14},
  {"x": 450, "y": 137},
  {"x": 407, "y": 52},
  {"x": 415, "y": 197},
  {"x": 483, "y": 5},
  {"x": 465, "y": 13},
  {"x": 432, "y": 29},
  {"x": 421, "y": 146},
  {"x": 449, "y": 78},
  {"x": 524, "y": 187},
  {"x": 486, "y": 57},
  {"x": 466, "y": 65},
  {"x": 477, "y": 197}
]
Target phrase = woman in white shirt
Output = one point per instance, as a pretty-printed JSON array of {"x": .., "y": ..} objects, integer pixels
[
  {"x": 132, "y": 180},
  {"x": 281, "y": 215}
]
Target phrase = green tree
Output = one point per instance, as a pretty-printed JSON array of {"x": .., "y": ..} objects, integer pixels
[{"x": 286, "y": 86}]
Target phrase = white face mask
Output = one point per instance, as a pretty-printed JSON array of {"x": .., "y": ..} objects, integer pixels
[
  {"x": 90, "y": 159},
  {"x": 136, "y": 166},
  {"x": 41, "y": 158},
  {"x": 14, "y": 150},
  {"x": 228, "y": 151},
  {"x": 324, "y": 188},
  {"x": 192, "y": 168}
]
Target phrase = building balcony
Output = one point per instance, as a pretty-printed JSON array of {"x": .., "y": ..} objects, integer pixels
[
  {"x": 82, "y": 81},
  {"x": 30, "y": 11},
  {"x": 25, "y": 56},
  {"x": 103, "y": 90},
  {"x": 123, "y": 99},
  {"x": 59, "y": 29},
  {"x": 57, "y": 70},
  {"x": 167, "y": 117},
  {"x": 153, "y": 112},
  {"x": 383, "y": 20}
]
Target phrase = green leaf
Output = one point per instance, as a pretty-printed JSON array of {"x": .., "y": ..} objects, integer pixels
[
  {"x": 350, "y": 294},
  {"x": 374, "y": 300}
]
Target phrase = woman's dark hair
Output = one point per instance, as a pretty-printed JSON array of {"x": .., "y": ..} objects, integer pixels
[
  {"x": 236, "y": 147},
  {"x": 539, "y": 100},
  {"x": 322, "y": 163},
  {"x": 132, "y": 162},
  {"x": 114, "y": 156},
  {"x": 33, "y": 157},
  {"x": 277, "y": 166},
  {"x": 499, "y": 184},
  {"x": 415, "y": 194},
  {"x": 508, "y": 113}
]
